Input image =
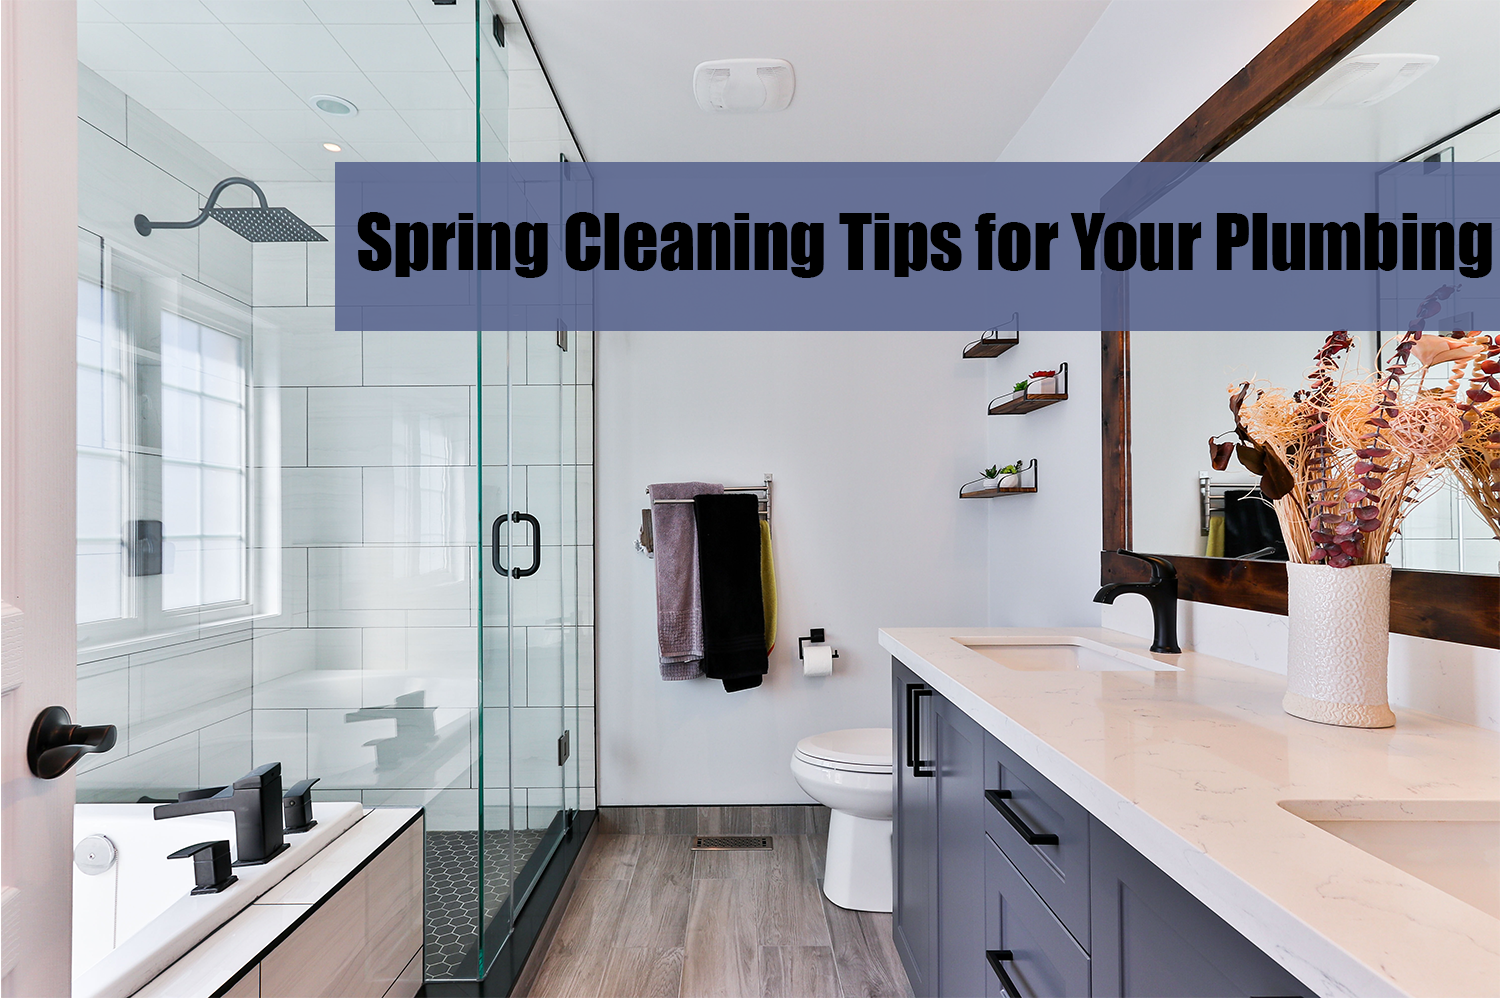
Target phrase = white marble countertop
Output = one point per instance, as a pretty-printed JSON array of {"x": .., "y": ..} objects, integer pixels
[{"x": 1189, "y": 768}]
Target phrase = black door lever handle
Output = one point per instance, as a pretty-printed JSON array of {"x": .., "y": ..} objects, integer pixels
[{"x": 56, "y": 743}]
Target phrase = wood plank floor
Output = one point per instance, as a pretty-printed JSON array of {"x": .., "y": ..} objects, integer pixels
[{"x": 653, "y": 919}]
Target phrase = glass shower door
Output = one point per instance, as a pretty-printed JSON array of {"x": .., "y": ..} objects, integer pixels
[
  {"x": 286, "y": 529},
  {"x": 526, "y": 742}
]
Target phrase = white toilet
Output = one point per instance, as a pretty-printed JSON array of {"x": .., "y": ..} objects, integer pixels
[{"x": 849, "y": 771}]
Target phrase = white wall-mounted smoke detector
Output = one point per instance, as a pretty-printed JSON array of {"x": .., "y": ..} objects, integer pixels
[
  {"x": 1362, "y": 80},
  {"x": 744, "y": 85}
]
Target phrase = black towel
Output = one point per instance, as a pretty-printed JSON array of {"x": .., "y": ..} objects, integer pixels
[
  {"x": 734, "y": 627},
  {"x": 1250, "y": 524}
]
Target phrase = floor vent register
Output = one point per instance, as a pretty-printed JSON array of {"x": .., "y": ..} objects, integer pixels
[{"x": 705, "y": 843}]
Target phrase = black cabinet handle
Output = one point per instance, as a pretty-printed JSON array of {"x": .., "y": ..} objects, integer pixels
[
  {"x": 911, "y": 727},
  {"x": 914, "y": 761},
  {"x": 997, "y": 799},
  {"x": 536, "y": 545},
  {"x": 997, "y": 958}
]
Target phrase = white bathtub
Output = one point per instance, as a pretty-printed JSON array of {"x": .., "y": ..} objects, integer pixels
[{"x": 135, "y": 919}]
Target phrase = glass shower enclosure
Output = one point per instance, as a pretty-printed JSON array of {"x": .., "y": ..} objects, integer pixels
[{"x": 366, "y": 555}]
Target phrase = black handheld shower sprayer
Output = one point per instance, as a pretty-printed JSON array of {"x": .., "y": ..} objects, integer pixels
[{"x": 259, "y": 225}]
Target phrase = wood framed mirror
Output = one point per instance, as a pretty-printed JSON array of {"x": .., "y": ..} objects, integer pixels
[{"x": 1445, "y": 605}]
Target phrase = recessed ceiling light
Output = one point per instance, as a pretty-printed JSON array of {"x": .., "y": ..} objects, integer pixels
[
  {"x": 333, "y": 147},
  {"x": 339, "y": 107}
]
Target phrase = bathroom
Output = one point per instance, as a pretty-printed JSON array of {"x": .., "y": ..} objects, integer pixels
[{"x": 299, "y": 544}]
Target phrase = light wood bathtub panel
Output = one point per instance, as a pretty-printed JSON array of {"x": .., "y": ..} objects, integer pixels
[{"x": 325, "y": 956}]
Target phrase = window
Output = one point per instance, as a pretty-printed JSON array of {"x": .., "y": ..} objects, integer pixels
[
  {"x": 103, "y": 458},
  {"x": 165, "y": 479},
  {"x": 203, "y": 466}
]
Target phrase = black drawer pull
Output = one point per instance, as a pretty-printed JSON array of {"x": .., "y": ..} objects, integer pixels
[
  {"x": 996, "y": 957},
  {"x": 997, "y": 799},
  {"x": 919, "y": 766}
]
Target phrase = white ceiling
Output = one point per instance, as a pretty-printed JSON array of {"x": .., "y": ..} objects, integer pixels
[
  {"x": 876, "y": 79},
  {"x": 234, "y": 76},
  {"x": 1464, "y": 34},
  {"x": 1145, "y": 67}
]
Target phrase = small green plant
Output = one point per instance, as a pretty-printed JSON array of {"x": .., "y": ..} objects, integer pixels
[
  {"x": 1021, "y": 385},
  {"x": 994, "y": 471}
]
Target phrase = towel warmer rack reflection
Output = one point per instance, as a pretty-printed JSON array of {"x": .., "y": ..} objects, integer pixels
[{"x": 1212, "y": 498}]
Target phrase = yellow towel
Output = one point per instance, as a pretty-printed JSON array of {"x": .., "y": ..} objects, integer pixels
[
  {"x": 1214, "y": 546},
  {"x": 768, "y": 584}
]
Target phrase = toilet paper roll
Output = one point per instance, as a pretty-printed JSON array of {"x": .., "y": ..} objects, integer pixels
[{"x": 817, "y": 660}]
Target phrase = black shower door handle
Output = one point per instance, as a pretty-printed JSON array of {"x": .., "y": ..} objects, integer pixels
[{"x": 536, "y": 545}]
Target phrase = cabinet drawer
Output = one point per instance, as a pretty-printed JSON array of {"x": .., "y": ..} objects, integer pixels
[
  {"x": 1043, "y": 832},
  {"x": 1027, "y": 942}
]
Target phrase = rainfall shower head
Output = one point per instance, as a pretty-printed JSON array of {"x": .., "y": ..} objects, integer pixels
[{"x": 259, "y": 225}]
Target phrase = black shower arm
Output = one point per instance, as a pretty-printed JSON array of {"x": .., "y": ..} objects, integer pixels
[{"x": 144, "y": 225}]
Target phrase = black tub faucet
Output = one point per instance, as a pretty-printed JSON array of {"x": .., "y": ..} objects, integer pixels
[
  {"x": 1161, "y": 591},
  {"x": 255, "y": 800}
]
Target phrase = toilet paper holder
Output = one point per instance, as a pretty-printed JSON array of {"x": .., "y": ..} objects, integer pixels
[{"x": 817, "y": 638}]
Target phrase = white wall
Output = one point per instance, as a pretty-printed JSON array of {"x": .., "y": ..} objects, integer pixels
[
  {"x": 868, "y": 437},
  {"x": 901, "y": 412},
  {"x": 1044, "y": 548}
]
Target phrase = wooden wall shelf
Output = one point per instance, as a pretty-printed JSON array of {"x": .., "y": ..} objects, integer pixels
[
  {"x": 1022, "y": 402},
  {"x": 988, "y": 348},
  {"x": 995, "y": 493},
  {"x": 996, "y": 341},
  {"x": 1026, "y": 485}
]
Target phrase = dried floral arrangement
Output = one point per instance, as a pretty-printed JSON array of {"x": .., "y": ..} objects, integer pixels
[
  {"x": 1474, "y": 385},
  {"x": 1344, "y": 459}
]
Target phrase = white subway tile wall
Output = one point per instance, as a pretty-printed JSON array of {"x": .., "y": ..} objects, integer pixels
[{"x": 363, "y": 668}]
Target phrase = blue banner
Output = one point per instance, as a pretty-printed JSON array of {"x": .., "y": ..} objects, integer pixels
[{"x": 908, "y": 246}]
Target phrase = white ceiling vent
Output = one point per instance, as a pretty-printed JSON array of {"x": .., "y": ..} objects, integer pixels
[
  {"x": 743, "y": 85},
  {"x": 1362, "y": 80}
]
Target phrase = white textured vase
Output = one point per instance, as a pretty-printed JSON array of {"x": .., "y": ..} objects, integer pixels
[{"x": 1338, "y": 644}]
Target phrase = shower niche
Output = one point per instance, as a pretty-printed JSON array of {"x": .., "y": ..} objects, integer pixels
[{"x": 364, "y": 554}]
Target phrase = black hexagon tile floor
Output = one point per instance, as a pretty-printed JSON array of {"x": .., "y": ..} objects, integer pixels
[{"x": 453, "y": 879}]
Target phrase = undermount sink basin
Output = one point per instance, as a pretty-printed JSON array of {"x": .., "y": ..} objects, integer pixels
[
  {"x": 1063, "y": 655},
  {"x": 1452, "y": 845}
]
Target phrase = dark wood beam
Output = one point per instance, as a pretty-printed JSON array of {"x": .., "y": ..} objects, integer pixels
[{"x": 1299, "y": 55}]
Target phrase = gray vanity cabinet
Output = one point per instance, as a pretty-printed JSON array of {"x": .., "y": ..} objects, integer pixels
[
  {"x": 961, "y": 806},
  {"x": 939, "y": 841},
  {"x": 915, "y": 834},
  {"x": 1007, "y": 886},
  {"x": 1152, "y": 939}
]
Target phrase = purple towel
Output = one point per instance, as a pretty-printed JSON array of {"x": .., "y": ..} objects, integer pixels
[{"x": 679, "y": 605}]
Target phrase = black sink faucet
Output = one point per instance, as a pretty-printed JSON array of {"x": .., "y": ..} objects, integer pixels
[
  {"x": 255, "y": 800},
  {"x": 1161, "y": 591}
]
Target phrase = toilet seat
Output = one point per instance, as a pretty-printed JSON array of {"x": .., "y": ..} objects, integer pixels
[
  {"x": 852, "y": 750},
  {"x": 850, "y": 772}
]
